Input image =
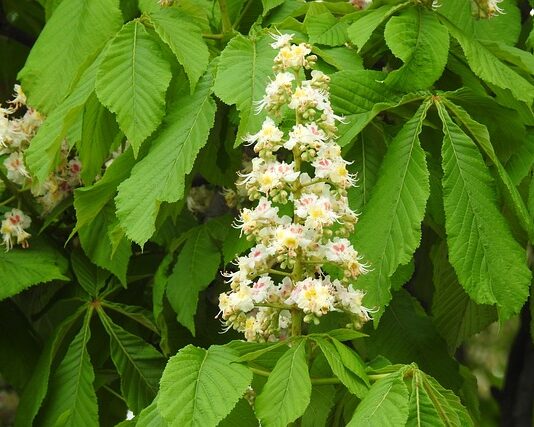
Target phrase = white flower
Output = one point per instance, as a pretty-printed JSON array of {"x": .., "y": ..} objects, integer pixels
[
  {"x": 16, "y": 171},
  {"x": 269, "y": 133},
  {"x": 281, "y": 40},
  {"x": 13, "y": 228},
  {"x": 309, "y": 135},
  {"x": 293, "y": 56},
  {"x": 317, "y": 211},
  {"x": 313, "y": 296}
]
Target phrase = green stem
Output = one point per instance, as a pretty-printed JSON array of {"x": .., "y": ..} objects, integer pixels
[
  {"x": 316, "y": 381},
  {"x": 273, "y": 305},
  {"x": 9, "y": 200},
  {"x": 225, "y": 17},
  {"x": 213, "y": 36},
  {"x": 279, "y": 272},
  {"x": 296, "y": 322}
]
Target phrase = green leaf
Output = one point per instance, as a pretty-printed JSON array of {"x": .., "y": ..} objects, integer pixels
[
  {"x": 360, "y": 96},
  {"x": 417, "y": 37},
  {"x": 90, "y": 277},
  {"x": 243, "y": 73},
  {"x": 196, "y": 267},
  {"x": 349, "y": 374},
  {"x": 386, "y": 404},
  {"x": 132, "y": 81},
  {"x": 158, "y": 297},
  {"x": 390, "y": 226},
  {"x": 287, "y": 392},
  {"x": 99, "y": 129},
  {"x": 75, "y": 33},
  {"x": 345, "y": 334},
  {"x": 242, "y": 415},
  {"x": 185, "y": 40},
  {"x": 361, "y": 30},
  {"x": 22, "y": 268},
  {"x": 90, "y": 201},
  {"x": 71, "y": 400},
  {"x": 270, "y": 4},
  {"x": 433, "y": 405},
  {"x": 35, "y": 390},
  {"x": 326, "y": 29},
  {"x": 139, "y": 364},
  {"x": 97, "y": 243},
  {"x": 321, "y": 403},
  {"x": 200, "y": 387},
  {"x": 490, "y": 68},
  {"x": 481, "y": 135},
  {"x": 151, "y": 417},
  {"x": 480, "y": 244},
  {"x": 367, "y": 155},
  {"x": 160, "y": 176},
  {"x": 455, "y": 315},
  {"x": 138, "y": 314},
  {"x": 42, "y": 156},
  {"x": 403, "y": 336},
  {"x": 234, "y": 245}
]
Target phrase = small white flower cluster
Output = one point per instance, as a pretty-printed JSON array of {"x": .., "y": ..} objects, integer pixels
[
  {"x": 13, "y": 229},
  {"x": 16, "y": 132},
  {"x": 300, "y": 171},
  {"x": 486, "y": 9}
]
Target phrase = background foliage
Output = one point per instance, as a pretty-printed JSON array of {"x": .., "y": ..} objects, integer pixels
[{"x": 439, "y": 127}]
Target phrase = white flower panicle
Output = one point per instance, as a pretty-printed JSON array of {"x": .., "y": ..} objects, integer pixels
[
  {"x": 302, "y": 217},
  {"x": 18, "y": 125},
  {"x": 13, "y": 229}
]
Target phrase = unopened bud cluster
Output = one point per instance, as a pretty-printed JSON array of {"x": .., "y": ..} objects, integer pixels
[
  {"x": 18, "y": 125},
  {"x": 302, "y": 218}
]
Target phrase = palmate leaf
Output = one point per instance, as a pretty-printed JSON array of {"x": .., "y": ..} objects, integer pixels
[
  {"x": 139, "y": 364},
  {"x": 185, "y": 40},
  {"x": 200, "y": 387},
  {"x": 160, "y": 176},
  {"x": 386, "y": 404},
  {"x": 456, "y": 316},
  {"x": 417, "y": 37},
  {"x": 390, "y": 226},
  {"x": 481, "y": 246},
  {"x": 72, "y": 37},
  {"x": 132, "y": 81},
  {"x": 244, "y": 69},
  {"x": 196, "y": 267},
  {"x": 71, "y": 400},
  {"x": 286, "y": 395},
  {"x": 43, "y": 154},
  {"x": 22, "y": 268},
  {"x": 403, "y": 336}
]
